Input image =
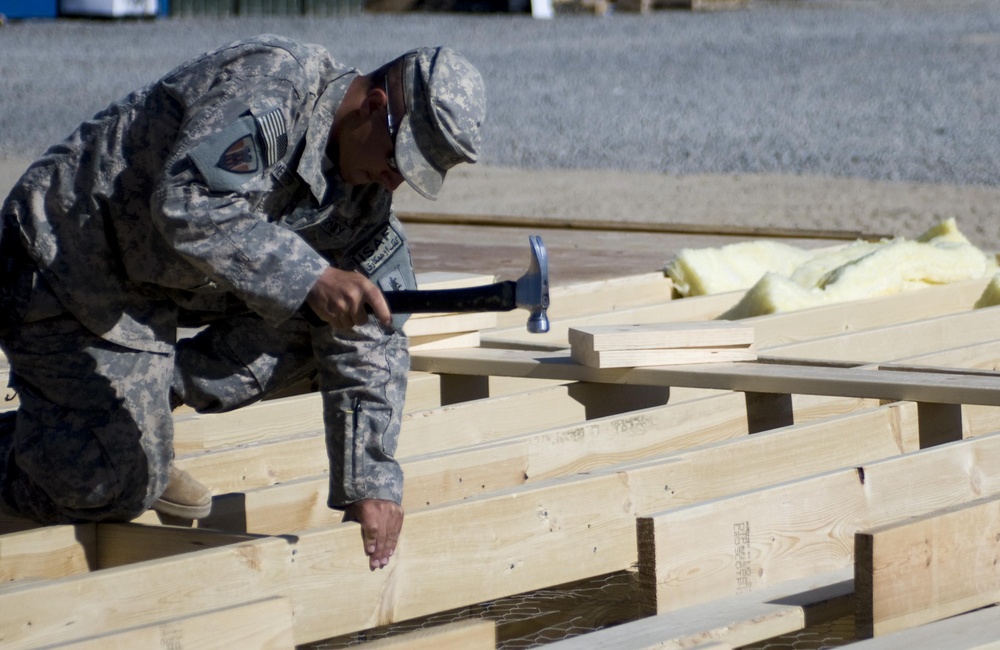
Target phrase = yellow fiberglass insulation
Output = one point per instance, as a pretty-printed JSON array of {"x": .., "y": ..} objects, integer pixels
[{"x": 941, "y": 255}]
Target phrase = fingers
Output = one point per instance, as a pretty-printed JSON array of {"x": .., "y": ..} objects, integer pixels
[
  {"x": 344, "y": 298},
  {"x": 381, "y": 522}
]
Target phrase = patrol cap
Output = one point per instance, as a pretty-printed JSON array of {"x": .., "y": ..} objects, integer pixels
[{"x": 445, "y": 107}]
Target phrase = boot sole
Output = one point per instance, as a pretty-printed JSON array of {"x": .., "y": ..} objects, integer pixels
[{"x": 181, "y": 511}]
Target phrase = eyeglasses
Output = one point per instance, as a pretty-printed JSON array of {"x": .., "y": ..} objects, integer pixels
[{"x": 391, "y": 160}]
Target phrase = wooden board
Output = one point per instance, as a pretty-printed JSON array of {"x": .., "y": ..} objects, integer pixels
[
  {"x": 662, "y": 357},
  {"x": 728, "y": 546},
  {"x": 259, "y": 625},
  {"x": 786, "y": 378},
  {"x": 704, "y": 334},
  {"x": 928, "y": 568}
]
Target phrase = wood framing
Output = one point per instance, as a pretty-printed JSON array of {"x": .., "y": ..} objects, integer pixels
[
  {"x": 978, "y": 630},
  {"x": 733, "y": 621},
  {"x": 731, "y": 545},
  {"x": 927, "y": 568},
  {"x": 741, "y": 497},
  {"x": 260, "y": 625}
]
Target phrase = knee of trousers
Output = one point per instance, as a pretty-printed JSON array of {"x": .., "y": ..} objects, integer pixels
[{"x": 93, "y": 473}]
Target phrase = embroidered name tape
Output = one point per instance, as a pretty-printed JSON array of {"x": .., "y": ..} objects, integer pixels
[{"x": 378, "y": 251}]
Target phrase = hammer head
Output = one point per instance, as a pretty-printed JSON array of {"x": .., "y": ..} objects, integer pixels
[{"x": 532, "y": 291}]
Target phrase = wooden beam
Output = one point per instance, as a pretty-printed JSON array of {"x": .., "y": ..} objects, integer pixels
[
  {"x": 927, "y": 568},
  {"x": 891, "y": 342},
  {"x": 507, "y": 538},
  {"x": 735, "y": 621},
  {"x": 748, "y": 541},
  {"x": 689, "y": 309},
  {"x": 437, "y": 478},
  {"x": 259, "y": 625},
  {"x": 979, "y": 630},
  {"x": 42, "y": 613},
  {"x": 50, "y": 552},
  {"x": 789, "y": 377},
  {"x": 771, "y": 330},
  {"x": 774, "y": 330},
  {"x": 276, "y": 418}
]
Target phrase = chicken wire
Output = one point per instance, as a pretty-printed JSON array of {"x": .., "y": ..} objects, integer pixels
[{"x": 536, "y": 618}]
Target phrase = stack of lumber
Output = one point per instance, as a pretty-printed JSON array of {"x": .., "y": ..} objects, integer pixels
[
  {"x": 853, "y": 469},
  {"x": 661, "y": 344}
]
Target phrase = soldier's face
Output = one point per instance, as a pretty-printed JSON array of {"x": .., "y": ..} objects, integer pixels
[{"x": 367, "y": 151}]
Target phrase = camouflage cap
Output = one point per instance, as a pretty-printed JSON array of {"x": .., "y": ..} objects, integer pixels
[{"x": 445, "y": 107}]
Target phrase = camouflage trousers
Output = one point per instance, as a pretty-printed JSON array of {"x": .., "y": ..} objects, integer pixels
[{"x": 93, "y": 436}]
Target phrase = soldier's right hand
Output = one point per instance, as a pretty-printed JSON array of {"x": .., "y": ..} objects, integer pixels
[{"x": 339, "y": 297}]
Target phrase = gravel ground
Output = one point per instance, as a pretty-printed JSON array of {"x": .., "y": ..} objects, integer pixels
[{"x": 877, "y": 90}]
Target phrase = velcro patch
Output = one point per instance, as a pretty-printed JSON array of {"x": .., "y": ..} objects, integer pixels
[{"x": 378, "y": 251}]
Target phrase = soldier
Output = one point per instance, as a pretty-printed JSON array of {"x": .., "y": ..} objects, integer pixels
[{"x": 246, "y": 193}]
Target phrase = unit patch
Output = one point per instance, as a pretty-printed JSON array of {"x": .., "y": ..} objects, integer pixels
[{"x": 240, "y": 157}]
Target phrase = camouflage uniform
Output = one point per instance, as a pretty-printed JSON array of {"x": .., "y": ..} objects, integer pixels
[{"x": 205, "y": 198}]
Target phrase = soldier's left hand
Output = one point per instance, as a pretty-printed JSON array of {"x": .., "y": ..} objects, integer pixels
[{"x": 381, "y": 522}]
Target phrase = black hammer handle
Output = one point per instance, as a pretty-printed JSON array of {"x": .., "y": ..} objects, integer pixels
[
  {"x": 500, "y": 296},
  {"x": 491, "y": 297}
]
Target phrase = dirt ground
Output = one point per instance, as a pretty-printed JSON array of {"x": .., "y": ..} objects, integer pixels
[{"x": 654, "y": 215}]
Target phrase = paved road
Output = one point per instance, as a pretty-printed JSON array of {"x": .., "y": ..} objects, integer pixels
[{"x": 868, "y": 89}]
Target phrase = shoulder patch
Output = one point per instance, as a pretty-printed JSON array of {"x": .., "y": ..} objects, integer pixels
[
  {"x": 240, "y": 157},
  {"x": 228, "y": 159}
]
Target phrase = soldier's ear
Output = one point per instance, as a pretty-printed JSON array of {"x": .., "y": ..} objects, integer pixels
[{"x": 375, "y": 101}]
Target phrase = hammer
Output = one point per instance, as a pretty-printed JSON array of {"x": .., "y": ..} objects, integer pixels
[{"x": 530, "y": 291}]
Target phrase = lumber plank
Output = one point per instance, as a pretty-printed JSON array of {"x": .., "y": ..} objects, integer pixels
[
  {"x": 674, "y": 357},
  {"x": 733, "y": 621},
  {"x": 432, "y": 477},
  {"x": 451, "y": 324},
  {"x": 445, "y": 341},
  {"x": 726, "y": 546},
  {"x": 468, "y": 634},
  {"x": 50, "y": 552},
  {"x": 718, "y": 469},
  {"x": 787, "y": 378},
  {"x": 773, "y": 329},
  {"x": 979, "y": 630},
  {"x": 275, "y": 418},
  {"x": 259, "y": 625},
  {"x": 52, "y": 611},
  {"x": 438, "y": 478},
  {"x": 891, "y": 342},
  {"x": 507, "y": 538},
  {"x": 699, "y": 308},
  {"x": 660, "y": 335},
  {"x": 121, "y": 544},
  {"x": 927, "y": 568}
]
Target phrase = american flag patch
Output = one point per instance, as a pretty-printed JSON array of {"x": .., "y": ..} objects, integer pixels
[{"x": 273, "y": 135}]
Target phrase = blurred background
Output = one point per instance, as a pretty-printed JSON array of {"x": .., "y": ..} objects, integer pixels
[{"x": 902, "y": 90}]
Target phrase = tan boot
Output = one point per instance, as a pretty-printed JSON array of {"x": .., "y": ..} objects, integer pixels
[{"x": 184, "y": 497}]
